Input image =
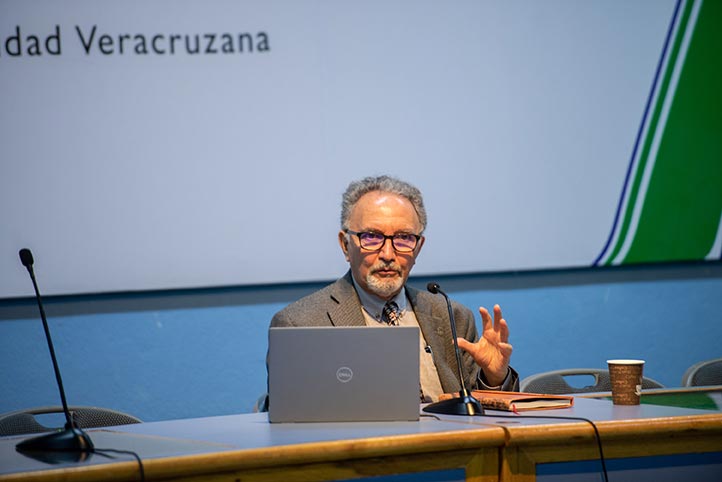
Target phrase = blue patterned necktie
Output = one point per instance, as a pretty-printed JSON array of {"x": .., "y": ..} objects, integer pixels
[{"x": 391, "y": 313}]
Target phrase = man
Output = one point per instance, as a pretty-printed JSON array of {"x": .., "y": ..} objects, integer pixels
[{"x": 382, "y": 225}]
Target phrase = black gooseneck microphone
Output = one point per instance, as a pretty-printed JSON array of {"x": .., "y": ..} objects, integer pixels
[
  {"x": 71, "y": 439},
  {"x": 464, "y": 404}
]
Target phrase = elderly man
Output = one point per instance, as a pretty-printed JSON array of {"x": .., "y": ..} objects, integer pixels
[{"x": 382, "y": 225}]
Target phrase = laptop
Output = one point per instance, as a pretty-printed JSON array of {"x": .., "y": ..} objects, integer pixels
[{"x": 335, "y": 374}]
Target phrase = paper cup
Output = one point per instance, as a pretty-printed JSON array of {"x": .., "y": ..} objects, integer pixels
[{"x": 626, "y": 378}]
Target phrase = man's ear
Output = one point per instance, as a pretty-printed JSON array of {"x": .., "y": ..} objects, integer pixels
[{"x": 343, "y": 242}]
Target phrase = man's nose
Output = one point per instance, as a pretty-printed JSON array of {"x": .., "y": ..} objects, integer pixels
[{"x": 387, "y": 251}]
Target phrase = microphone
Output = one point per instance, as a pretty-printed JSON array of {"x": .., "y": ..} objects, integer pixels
[
  {"x": 464, "y": 404},
  {"x": 71, "y": 439}
]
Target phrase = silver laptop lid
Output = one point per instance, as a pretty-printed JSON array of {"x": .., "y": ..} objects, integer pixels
[{"x": 326, "y": 374}]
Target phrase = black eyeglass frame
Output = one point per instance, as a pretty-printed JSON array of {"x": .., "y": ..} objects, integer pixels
[{"x": 392, "y": 237}]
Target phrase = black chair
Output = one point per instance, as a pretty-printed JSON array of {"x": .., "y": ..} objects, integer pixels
[
  {"x": 554, "y": 382},
  {"x": 22, "y": 422},
  {"x": 704, "y": 373}
]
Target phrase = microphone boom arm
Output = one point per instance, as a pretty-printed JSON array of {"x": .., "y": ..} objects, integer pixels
[
  {"x": 68, "y": 419},
  {"x": 71, "y": 441},
  {"x": 456, "y": 342},
  {"x": 464, "y": 404}
]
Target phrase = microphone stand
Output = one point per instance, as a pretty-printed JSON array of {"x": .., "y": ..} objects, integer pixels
[
  {"x": 71, "y": 439},
  {"x": 464, "y": 404}
]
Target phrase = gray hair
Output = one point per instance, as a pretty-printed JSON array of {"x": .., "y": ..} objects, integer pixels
[{"x": 357, "y": 189}]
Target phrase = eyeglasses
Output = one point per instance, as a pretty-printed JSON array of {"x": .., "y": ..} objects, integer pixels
[{"x": 371, "y": 241}]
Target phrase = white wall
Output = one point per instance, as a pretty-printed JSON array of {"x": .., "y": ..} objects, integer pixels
[{"x": 126, "y": 171}]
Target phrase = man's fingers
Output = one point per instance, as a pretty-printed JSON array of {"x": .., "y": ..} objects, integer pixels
[
  {"x": 503, "y": 331},
  {"x": 464, "y": 344},
  {"x": 497, "y": 317},
  {"x": 486, "y": 322},
  {"x": 506, "y": 349}
]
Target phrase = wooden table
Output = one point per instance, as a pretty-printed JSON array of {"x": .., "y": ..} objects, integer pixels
[{"x": 248, "y": 448}]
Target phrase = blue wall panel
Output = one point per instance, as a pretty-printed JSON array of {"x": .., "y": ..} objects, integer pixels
[{"x": 198, "y": 361}]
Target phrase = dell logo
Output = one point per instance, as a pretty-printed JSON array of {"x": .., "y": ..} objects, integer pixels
[{"x": 344, "y": 374}]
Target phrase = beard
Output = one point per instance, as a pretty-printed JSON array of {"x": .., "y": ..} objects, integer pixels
[{"x": 382, "y": 286}]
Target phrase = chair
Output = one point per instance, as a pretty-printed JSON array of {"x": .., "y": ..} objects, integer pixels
[
  {"x": 22, "y": 422},
  {"x": 553, "y": 382},
  {"x": 708, "y": 372},
  {"x": 261, "y": 404}
]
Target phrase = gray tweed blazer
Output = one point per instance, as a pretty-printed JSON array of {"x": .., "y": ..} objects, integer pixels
[{"x": 338, "y": 305}]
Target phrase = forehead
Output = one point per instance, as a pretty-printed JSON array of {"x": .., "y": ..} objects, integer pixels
[{"x": 384, "y": 211}]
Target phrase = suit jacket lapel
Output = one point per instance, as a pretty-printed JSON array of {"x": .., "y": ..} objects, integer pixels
[{"x": 346, "y": 307}]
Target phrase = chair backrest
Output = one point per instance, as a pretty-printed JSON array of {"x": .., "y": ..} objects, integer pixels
[
  {"x": 261, "y": 404},
  {"x": 25, "y": 422},
  {"x": 554, "y": 382},
  {"x": 708, "y": 372}
]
